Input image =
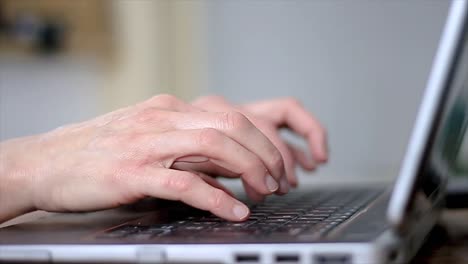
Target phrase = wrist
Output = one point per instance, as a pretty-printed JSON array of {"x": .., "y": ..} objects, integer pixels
[{"x": 16, "y": 174}]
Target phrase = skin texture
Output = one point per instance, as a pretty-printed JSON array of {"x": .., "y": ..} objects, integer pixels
[{"x": 162, "y": 148}]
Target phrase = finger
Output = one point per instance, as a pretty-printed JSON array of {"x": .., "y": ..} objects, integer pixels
[
  {"x": 289, "y": 161},
  {"x": 301, "y": 157},
  {"x": 240, "y": 129},
  {"x": 206, "y": 167},
  {"x": 190, "y": 189},
  {"x": 210, "y": 143},
  {"x": 252, "y": 194},
  {"x": 215, "y": 183},
  {"x": 202, "y": 172},
  {"x": 217, "y": 103},
  {"x": 289, "y": 112}
]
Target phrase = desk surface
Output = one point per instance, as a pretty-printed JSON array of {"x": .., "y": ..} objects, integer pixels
[{"x": 449, "y": 242}]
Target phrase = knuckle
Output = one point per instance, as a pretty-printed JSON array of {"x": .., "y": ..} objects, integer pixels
[
  {"x": 180, "y": 183},
  {"x": 209, "y": 137},
  {"x": 253, "y": 164},
  {"x": 234, "y": 120},
  {"x": 254, "y": 171},
  {"x": 218, "y": 199},
  {"x": 277, "y": 161},
  {"x": 165, "y": 101}
]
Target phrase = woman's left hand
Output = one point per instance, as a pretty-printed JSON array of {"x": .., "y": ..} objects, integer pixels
[{"x": 269, "y": 117}]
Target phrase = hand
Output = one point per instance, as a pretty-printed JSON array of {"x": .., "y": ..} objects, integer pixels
[
  {"x": 133, "y": 153},
  {"x": 271, "y": 115}
]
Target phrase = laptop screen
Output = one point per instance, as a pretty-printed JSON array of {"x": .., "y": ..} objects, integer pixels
[{"x": 440, "y": 126}]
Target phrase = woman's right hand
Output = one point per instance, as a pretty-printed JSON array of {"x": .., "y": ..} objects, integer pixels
[{"x": 131, "y": 153}]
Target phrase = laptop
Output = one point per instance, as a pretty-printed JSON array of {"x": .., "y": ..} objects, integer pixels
[{"x": 344, "y": 224}]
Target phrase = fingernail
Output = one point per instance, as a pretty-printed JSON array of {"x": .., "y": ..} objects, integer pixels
[
  {"x": 271, "y": 183},
  {"x": 240, "y": 211},
  {"x": 284, "y": 185}
]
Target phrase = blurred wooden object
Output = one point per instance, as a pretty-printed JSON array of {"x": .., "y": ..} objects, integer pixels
[
  {"x": 448, "y": 243},
  {"x": 86, "y": 23},
  {"x": 159, "y": 48},
  {"x": 148, "y": 47}
]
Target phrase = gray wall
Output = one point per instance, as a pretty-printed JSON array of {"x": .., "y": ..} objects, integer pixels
[
  {"x": 360, "y": 66},
  {"x": 40, "y": 94}
]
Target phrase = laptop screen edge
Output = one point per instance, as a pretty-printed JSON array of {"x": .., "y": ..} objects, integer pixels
[{"x": 425, "y": 122}]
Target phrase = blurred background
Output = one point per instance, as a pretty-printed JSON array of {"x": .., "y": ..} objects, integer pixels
[{"x": 360, "y": 66}]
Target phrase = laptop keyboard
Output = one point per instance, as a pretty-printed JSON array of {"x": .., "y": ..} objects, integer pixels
[{"x": 305, "y": 215}]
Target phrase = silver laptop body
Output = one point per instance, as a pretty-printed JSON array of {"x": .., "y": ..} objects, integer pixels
[{"x": 381, "y": 225}]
